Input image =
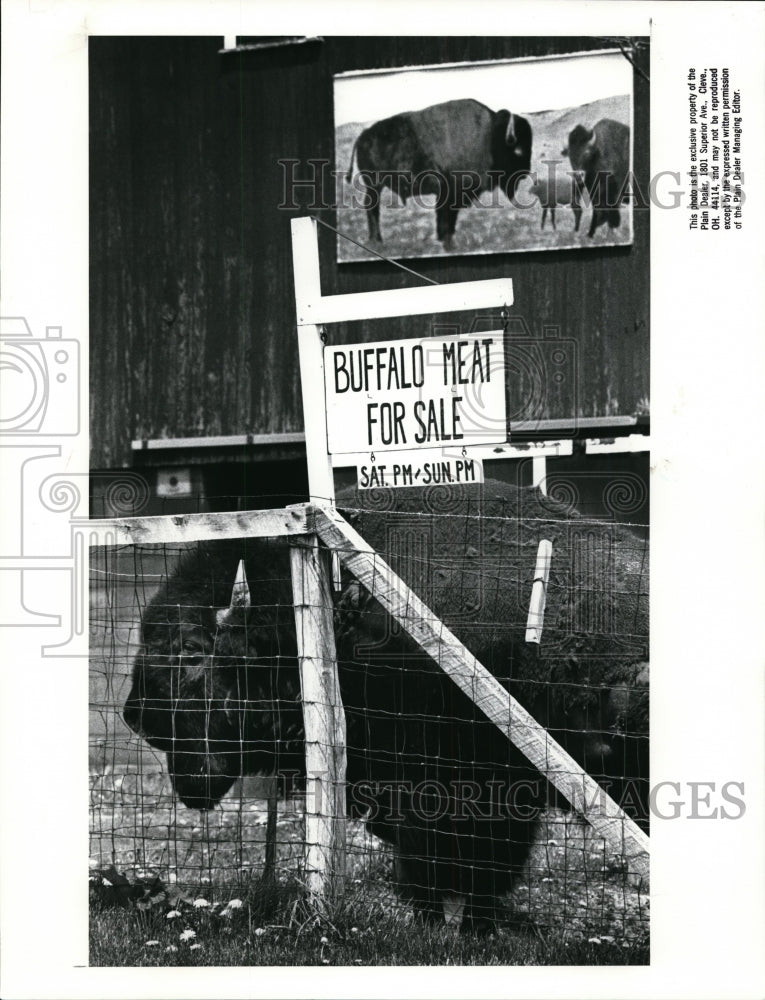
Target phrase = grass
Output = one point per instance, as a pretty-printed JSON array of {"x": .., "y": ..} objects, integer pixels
[
  {"x": 572, "y": 906},
  {"x": 273, "y": 927}
]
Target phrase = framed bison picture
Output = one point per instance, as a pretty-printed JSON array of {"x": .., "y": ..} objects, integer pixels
[{"x": 476, "y": 158}]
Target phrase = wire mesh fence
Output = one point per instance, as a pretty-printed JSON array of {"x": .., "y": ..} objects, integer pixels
[{"x": 196, "y": 702}]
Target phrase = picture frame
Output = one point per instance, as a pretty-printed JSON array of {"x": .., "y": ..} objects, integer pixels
[{"x": 435, "y": 161}]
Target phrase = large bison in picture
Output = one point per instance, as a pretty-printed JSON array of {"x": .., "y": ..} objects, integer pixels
[
  {"x": 602, "y": 154},
  {"x": 453, "y": 150},
  {"x": 216, "y": 685}
]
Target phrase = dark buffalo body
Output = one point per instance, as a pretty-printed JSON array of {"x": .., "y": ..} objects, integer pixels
[
  {"x": 602, "y": 153},
  {"x": 453, "y": 150},
  {"x": 431, "y": 775}
]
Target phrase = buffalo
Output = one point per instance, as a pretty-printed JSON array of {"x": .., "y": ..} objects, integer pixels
[
  {"x": 602, "y": 154},
  {"x": 216, "y": 685},
  {"x": 553, "y": 191},
  {"x": 453, "y": 150}
]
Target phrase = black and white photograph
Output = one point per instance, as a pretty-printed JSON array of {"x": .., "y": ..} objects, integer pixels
[
  {"x": 380, "y": 608},
  {"x": 285, "y": 768},
  {"x": 528, "y": 144}
]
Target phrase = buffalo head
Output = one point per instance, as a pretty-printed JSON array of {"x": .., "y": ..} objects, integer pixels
[
  {"x": 203, "y": 684},
  {"x": 581, "y": 146},
  {"x": 510, "y": 149}
]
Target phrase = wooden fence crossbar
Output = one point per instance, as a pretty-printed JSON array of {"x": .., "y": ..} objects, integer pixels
[
  {"x": 212, "y": 527},
  {"x": 532, "y": 739}
]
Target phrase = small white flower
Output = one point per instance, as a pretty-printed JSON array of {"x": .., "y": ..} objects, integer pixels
[
  {"x": 188, "y": 935},
  {"x": 205, "y": 879},
  {"x": 324, "y": 941},
  {"x": 172, "y": 914},
  {"x": 325, "y": 961},
  {"x": 607, "y": 937},
  {"x": 200, "y": 903},
  {"x": 194, "y": 947},
  {"x": 260, "y": 931},
  {"x": 354, "y": 930},
  {"x": 593, "y": 940},
  {"x": 105, "y": 881},
  {"x": 171, "y": 947},
  {"x": 234, "y": 904},
  {"x": 151, "y": 944}
]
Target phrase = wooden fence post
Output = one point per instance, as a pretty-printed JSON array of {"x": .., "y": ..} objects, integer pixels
[
  {"x": 324, "y": 722},
  {"x": 323, "y": 715}
]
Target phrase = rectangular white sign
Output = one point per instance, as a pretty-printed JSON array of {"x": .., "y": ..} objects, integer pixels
[
  {"x": 418, "y": 468},
  {"x": 403, "y": 394}
]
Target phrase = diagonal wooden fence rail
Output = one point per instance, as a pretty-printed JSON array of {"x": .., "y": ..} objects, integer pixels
[{"x": 584, "y": 793}]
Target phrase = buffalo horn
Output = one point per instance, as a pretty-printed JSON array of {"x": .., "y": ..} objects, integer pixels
[
  {"x": 240, "y": 596},
  {"x": 510, "y": 132}
]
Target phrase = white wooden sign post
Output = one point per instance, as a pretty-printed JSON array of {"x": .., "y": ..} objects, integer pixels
[{"x": 459, "y": 365}]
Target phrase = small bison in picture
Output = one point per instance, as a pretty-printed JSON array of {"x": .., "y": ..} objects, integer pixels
[
  {"x": 553, "y": 191},
  {"x": 216, "y": 685},
  {"x": 453, "y": 150},
  {"x": 602, "y": 154}
]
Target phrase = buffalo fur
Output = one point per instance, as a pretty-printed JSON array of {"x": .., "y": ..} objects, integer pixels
[
  {"x": 603, "y": 155},
  {"x": 457, "y": 149},
  {"x": 429, "y": 773}
]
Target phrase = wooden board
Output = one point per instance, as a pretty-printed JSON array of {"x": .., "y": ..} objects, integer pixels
[
  {"x": 494, "y": 293},
  {"x": 169, "y": 528},
  {"x": 323, "y": 720}
]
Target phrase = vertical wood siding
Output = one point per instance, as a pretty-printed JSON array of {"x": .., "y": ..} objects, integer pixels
[{"x": 192, "y": 312}]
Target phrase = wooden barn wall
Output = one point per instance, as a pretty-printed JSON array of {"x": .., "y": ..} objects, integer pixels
[{"x": 192, "y": 327}]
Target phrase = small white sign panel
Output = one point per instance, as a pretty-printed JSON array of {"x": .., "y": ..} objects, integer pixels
[
  {"x": 418, "y": 468},
  {"x": 404, "y": 394}
]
